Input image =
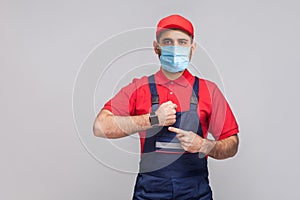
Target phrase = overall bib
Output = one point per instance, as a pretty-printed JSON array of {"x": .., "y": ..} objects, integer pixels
[{"x": 166, "y": 170}]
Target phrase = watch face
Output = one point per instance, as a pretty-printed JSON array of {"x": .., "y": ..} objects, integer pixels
[{"x": 153, "y": 119}]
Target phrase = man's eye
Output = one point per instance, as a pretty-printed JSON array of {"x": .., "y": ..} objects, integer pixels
[
  {"x": 167, "y": 42},
  {"x": 182, "y": 42}
]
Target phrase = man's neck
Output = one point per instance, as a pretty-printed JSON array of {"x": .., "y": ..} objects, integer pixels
[{"x": 172, "y": 76}]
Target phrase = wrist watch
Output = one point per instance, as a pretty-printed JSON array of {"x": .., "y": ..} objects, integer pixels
[{"x": 153, "y": 119}]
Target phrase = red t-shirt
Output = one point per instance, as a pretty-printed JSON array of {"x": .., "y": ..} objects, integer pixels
[{"x": 214, "y": 112}]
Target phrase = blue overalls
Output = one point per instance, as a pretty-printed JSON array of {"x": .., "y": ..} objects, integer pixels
[{"x": 166, "y": 170}]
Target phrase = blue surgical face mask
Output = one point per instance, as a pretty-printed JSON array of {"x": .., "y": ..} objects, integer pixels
[{"x": 175, "y": 58}]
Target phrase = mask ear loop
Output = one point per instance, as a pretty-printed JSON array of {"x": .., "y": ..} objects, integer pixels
[{"x": 190, "y": 56}]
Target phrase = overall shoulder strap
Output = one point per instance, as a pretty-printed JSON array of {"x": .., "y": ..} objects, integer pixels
[
  {"x": 195, "y": 94},
  {"x": 153, "y": 91}
]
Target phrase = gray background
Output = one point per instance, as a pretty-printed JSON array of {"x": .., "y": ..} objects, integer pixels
[{"x": 42, "y": 46}]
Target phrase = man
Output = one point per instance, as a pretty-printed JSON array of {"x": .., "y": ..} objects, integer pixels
[{"x": 173, "y": 111}]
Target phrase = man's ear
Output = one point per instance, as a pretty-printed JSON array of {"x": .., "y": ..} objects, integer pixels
[
  {"x": 193, "y": 47},
  {"x": 156, "y": 47}
]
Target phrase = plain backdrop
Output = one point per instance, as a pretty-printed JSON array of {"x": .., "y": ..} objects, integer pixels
[{"x": 255, "y": 45}]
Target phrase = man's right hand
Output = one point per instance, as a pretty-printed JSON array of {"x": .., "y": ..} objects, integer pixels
[{"x": 166, "y": 113}]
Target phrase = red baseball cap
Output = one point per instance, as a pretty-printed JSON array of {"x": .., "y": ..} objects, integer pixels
[{"x": 175, "y": 21}]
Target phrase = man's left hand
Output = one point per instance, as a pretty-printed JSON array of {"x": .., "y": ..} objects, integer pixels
[{"x": 192, "y": 142}]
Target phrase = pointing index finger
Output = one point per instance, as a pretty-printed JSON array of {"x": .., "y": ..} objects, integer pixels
[{"x": 176, "y": 130}]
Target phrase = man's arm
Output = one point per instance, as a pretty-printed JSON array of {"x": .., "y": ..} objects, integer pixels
[
  {"x": 224, "y": 148},
  {"x": 194, "y": 143},
  {"x": 111, "y": 126}
]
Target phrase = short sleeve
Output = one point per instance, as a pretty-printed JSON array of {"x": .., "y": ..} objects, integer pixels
[
  {"x": 123, "y": 103},
  {"x": 222, "y": 123}
]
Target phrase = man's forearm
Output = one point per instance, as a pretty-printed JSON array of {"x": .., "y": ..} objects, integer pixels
[
  {"x": 111, "y": 126},
  {"x": 225, "y": 148}
]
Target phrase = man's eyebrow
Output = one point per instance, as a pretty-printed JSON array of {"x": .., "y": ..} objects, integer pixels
[{"x": 167, "y": 39}]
